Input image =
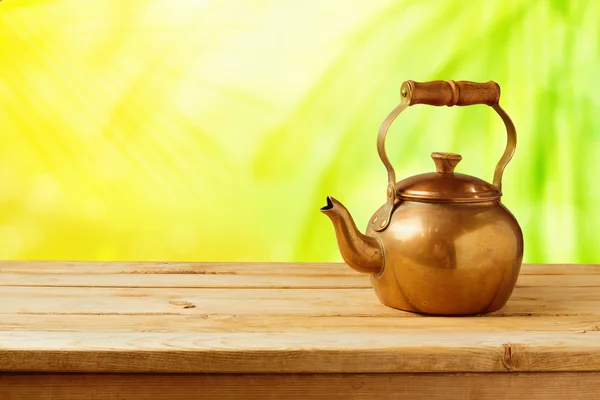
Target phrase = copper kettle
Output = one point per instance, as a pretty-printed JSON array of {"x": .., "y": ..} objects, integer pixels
[{"x": 443, "y": 243}]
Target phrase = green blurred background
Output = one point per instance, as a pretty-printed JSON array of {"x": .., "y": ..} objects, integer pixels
[{"x": 213, "y": 130}]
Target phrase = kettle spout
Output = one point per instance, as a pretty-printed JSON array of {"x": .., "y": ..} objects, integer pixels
[{"x": 362, "y": 253}]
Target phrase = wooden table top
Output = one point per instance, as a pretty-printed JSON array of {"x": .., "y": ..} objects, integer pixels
[{"x": 287, "y": 317}]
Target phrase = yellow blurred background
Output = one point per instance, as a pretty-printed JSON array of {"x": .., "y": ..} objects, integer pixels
[{"x": 213, "y": 130}]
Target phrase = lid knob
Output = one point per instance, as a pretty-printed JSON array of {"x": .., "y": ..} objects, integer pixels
[{"x": 445, "y": 162}]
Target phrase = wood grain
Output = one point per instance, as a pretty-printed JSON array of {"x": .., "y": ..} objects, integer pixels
[
  {"x": 266, "y": 323},
  {"x": 486, "y": 386}
]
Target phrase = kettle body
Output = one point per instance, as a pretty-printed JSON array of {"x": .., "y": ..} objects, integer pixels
[{"x": 449, "y": 259}]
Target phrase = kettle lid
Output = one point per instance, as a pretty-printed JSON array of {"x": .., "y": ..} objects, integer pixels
[{"x": 445, "y": 185}]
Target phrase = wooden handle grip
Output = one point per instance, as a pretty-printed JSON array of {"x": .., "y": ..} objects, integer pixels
[{"x": 452, "y": 93}]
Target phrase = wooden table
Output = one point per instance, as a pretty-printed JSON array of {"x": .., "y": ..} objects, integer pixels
[{"x": 275, "y": 331}]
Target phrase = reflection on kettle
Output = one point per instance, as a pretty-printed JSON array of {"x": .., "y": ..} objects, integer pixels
[{"x": 443, "y": 243}]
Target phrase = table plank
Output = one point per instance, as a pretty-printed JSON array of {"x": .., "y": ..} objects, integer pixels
[
  {"x": 348, "y": 302},
  {"x": 248, "y": 268},
  {"x": 305, "y": 323},
  {"x": 469, "y": 386},
  {"x": 322, "y": 352},
  {"x": 198, "y": 280},
  {"x": 245, "y": 281},
  {"x": 185, "y": 268}
]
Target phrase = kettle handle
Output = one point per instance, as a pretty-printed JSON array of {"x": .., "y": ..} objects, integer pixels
[{"x": 442, "y": 93}]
